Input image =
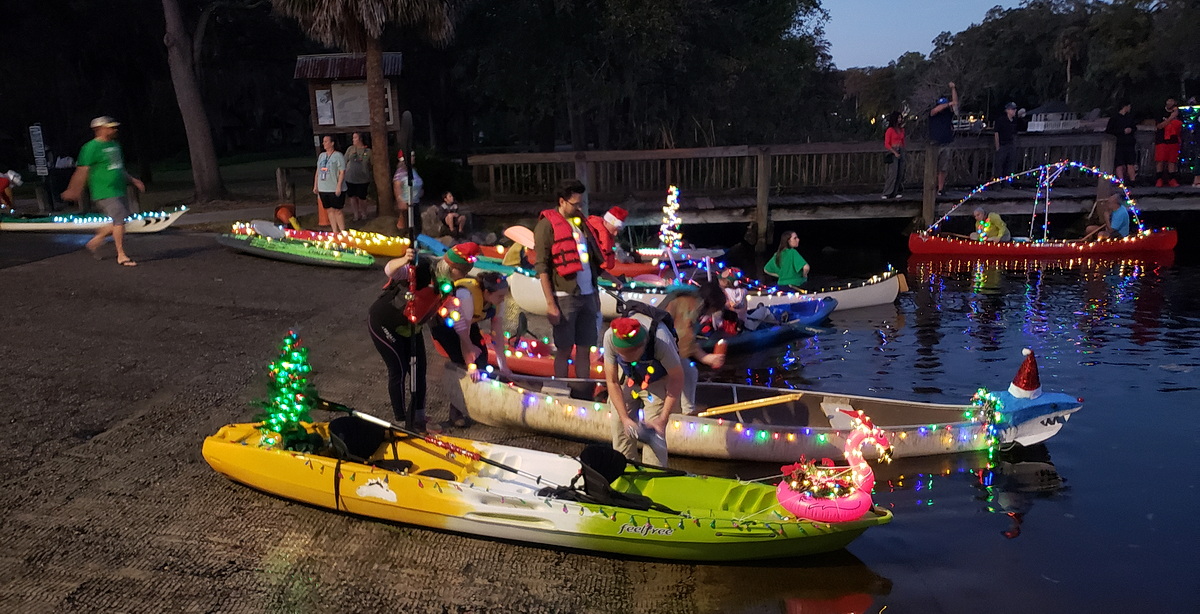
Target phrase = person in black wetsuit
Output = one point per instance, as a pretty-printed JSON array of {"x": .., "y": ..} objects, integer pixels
[{"x": 397, "y": 338}]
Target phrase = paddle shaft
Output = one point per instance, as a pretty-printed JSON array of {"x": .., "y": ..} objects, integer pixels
[
  {"x": 752, "y": 404},
  {"x": 406, "y": 129},
  {"x": 441, "y": 443}
]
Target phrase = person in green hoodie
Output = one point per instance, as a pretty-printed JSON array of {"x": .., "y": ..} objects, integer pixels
[{"x": 787, "y": 264}]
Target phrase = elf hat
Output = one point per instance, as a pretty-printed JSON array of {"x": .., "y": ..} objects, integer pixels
[
  {"x": 616, "y": 216},
  {"x": 1026, "y": 385},
  {"x": 628, "y": 333},
  {"x": 463, "y": 253}
]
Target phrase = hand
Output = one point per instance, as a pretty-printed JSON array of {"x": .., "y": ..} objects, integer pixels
[
  {"x": 338, "y": 191},
  {"x": 315, "y": 190},
  {"x": 716, "y": 361},
  {"x": 1128, "y": 130},
  {"x": 137, "y": 183},
  {"x": 71, "y": 195},
  {"x": 473, "y": 372},
  {"x": 553, "y": 314},
  {"x": 630, "y": 427},
  {"x": 951, "y": 85},
  {"x": 660, "y": 425}
]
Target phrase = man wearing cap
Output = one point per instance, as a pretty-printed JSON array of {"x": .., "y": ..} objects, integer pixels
[
  {"x": 941, "y": 133},
  {"x": 568, "y": 265},
  {"x": 1005, "y": 161},
  {"x": 101, "y": 167},
  {"x": 642, "y": 370}
]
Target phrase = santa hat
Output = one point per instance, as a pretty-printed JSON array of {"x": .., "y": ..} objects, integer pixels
[
  {"x": 463, "y": 253},
  {"x": 1026, "y": 385},
  {"x": 616, "y": 216},
  {"x": 628, "y": 333}
]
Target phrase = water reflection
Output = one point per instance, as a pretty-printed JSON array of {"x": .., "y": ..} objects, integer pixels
[
  {"x": 835, "y": 583},
  {"x": 1007, "y": 483},
  {"x": 1018, "y": 478}
]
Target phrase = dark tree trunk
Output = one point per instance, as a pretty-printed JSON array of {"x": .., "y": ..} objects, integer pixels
[
  {"x": 380, "y": 160},
  {"x": 205, "y": 172}
]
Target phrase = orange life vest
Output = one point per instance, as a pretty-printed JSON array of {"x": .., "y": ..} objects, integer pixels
[
  {"x": 606, "y": 241},
  {"x": 564, "y": 252}
]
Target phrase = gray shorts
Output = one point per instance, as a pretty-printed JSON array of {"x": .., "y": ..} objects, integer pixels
[
  {"x": 943, "y": 159},
  {"x": 114, "y": 208}
]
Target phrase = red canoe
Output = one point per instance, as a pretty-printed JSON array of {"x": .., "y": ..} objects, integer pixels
[
  {"x": 532, "y": 357},
  {"x": 1162, "y": 239}
]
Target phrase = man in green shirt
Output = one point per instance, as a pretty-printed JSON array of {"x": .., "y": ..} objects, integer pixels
[{"x": 101, "y": 167}]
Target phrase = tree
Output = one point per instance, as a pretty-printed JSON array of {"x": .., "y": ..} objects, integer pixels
[
  {"x": 357, "y": 26},
  {"x": 206, "y": 173}
]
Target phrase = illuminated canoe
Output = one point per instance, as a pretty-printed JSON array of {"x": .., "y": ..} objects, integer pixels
[
  {"x": 151, "y": 221},
  {"x": 783, "y": 429},
  {"x": 713, "y": 519},
  {"x": 881, "y": 289},
  {"x": 293, "y": 250},
  {"x": 371, "y": 242},
  {"x": 1162, "y": 239}
]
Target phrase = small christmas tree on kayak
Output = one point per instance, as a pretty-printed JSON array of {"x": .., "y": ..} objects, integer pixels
[{"x": 290, "y": 398}]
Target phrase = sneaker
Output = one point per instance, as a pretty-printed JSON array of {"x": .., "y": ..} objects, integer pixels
[
  {"x": 884, "y": 197},
  {"x": 1158, "y": 184},
  {"x": 1172, "y": 184}
]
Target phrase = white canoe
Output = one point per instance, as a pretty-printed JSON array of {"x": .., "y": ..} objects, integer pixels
[
  {"x": 880, "y": 289},
  {"x": 812, "y": 425},
  {"x": 150, "y": 221}
]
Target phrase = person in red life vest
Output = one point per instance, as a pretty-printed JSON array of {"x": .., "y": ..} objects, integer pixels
[
  {"x": 1166, "y": 146},
  {"x": 643, "y": 371},
  {"x": 568, "y": 266},
  {"x": 606, "y": 229},
  {"x": 8, "y": 181}
]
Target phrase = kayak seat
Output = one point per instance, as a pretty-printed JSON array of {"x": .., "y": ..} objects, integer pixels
[
  {"x": 397, "y": 465},
  {"x": 440, "y": 474}
]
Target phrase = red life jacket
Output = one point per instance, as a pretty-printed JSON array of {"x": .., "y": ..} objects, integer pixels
[
  {"x": 606, "y": 241},
  {"x": 564, "y": 252}
]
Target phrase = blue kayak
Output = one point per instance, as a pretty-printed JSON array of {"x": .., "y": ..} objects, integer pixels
[{"x": 796, "y": 320}]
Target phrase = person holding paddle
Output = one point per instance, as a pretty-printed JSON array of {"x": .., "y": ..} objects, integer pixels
[
  {"x": 990, "y": 227},
  {"x": 397, "y": 339},
  {"x": 642, "y": 369}
]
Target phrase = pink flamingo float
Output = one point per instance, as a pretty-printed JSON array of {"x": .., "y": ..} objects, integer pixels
[{"x": 835, "y": 494}]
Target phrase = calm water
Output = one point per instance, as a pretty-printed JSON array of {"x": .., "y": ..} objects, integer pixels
[{"x": 1098, "y": 519}]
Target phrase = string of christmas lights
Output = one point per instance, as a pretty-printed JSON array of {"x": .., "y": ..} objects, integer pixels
[{"x": 1046, "y": 175}]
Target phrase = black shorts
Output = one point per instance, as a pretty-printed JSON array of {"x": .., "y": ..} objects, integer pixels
[
  {"x": 1126, "y": 155},
  {"x": 356, "y": 190},
  {"x": 333, "y": 201}
]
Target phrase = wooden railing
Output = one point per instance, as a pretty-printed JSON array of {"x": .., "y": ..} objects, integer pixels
[{"x": 728, "y": 171}]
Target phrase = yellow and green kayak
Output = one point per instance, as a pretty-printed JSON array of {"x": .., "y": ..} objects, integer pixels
[{"x": 418, "y": 481}]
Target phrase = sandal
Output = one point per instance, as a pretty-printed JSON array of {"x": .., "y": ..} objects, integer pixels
[{"x": 127, "y": 262}]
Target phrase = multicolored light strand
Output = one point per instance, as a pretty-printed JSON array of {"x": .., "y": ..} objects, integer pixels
[{"x": 1046, "y": 175}]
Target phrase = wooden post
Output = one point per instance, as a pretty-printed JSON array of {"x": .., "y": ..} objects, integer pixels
[
  {"x": 281, "y": 184},
  {"x": 581, "y": 173},
  {"x": 929, "y": 194},
  {"x": 1108, "y": 157},
  {"x": 762, "y": 213}
]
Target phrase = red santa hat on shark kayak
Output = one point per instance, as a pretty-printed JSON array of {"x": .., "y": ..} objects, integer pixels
[
  {"x": 1027, "y": 384},
  {"x": 616, "y": 216}
]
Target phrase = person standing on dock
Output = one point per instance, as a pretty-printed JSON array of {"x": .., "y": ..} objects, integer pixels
[
  {"x": 893, "y": 141},
  {"x": 101, "y": 168},
  {"x": 568, "y": 266},
  {"x": 941, "y": 133},
  {"x": 1166, "y": 146},
  {"x": 1124, "y": 127},
  {"x": 1005, "y": 161}
]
